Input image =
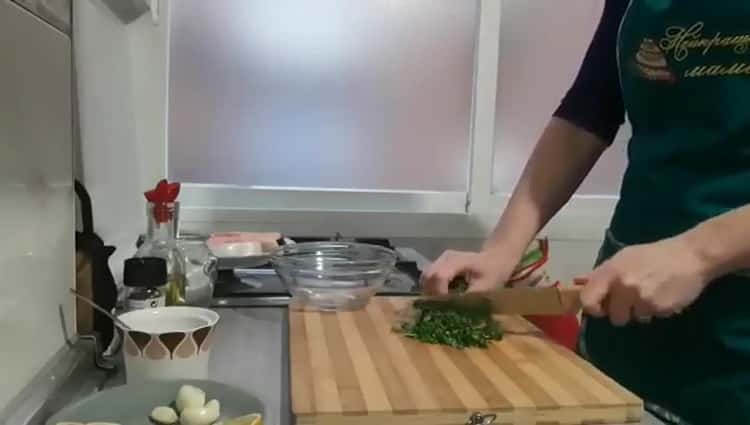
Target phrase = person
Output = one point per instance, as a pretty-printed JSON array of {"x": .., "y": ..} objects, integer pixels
[{"x": 667, "y": 309}]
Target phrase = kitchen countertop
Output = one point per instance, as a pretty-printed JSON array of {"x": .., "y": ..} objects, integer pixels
[{"x": 249, "y": 352}]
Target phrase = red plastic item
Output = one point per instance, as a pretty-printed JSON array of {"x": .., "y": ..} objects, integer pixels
[
  {"x": 564, "y": 330},
  {"x": 161, "y": 196}
]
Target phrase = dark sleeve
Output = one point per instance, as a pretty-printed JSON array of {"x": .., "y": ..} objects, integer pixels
[{"x": 594, "y": 102}]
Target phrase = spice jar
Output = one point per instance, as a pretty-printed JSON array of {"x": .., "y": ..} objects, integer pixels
[{"x": 145, "y": 280}]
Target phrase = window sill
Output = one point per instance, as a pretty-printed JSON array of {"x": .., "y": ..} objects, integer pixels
[{"x": 581, "y": 219}]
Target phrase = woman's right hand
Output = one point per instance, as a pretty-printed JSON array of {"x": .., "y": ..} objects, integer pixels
[{"x": 483, "y": 270}]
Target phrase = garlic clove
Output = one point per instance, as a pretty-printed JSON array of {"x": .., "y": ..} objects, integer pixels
[
  {"x": 214, "y": 408},
  {"x": 189, "y": 396},
  {"x": 164, "y": 415},
  {"x": 199, "y": 416}
]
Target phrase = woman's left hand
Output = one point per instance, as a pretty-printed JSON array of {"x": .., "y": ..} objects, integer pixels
[{"x": 640, "y": 282}]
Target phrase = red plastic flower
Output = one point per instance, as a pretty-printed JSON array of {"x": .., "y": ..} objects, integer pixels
[{"x": 161, "y": 196}]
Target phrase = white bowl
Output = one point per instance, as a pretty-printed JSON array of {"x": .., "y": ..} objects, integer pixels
[{"x": 168, "y": 343}]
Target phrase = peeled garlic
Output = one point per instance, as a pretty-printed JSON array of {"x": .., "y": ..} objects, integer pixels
[
  {"x": 214, "y": 406},
  {"x": 200, "y": 415},
  {"x": 164, "y": 415},
  {"x": 189, "y": 396}
]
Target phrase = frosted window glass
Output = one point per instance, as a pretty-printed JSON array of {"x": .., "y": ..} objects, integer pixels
[
  {"x": 345, "y": 94},
  {"x": 542, "y": 44}
]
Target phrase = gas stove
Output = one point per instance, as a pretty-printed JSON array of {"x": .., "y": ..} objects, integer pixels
[{"x": 260, "y": 286}]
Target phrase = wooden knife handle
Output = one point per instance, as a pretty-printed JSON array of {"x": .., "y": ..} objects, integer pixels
[{"x": 570, "y": 297}]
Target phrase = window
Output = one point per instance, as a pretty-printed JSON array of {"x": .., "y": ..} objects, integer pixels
[
  {"x": 536, "y": 68},
  {"x": 381, "y": 107},
  {"x": 331, "y": 94}
]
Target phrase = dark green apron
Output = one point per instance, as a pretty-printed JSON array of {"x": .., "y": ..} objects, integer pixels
[{"x": 685, "y": 75}]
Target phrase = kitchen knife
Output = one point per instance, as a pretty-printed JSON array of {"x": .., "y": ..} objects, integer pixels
[{"x": 523, "y": 301}]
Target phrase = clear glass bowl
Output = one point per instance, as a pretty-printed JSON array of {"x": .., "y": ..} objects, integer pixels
[{"x": 333, "y": 276}]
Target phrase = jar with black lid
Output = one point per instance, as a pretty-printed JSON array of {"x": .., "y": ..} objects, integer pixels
[{"x": 145, "y": 280}]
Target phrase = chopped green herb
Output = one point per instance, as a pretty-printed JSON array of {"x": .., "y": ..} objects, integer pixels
[
  {"x": 458, "y": 285},
  {"x": 453, "y": 324}
]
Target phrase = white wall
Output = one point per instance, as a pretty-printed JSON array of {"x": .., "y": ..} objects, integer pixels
[
  {"x": 37, "y": 252},
  {"x": 122, "y": 93}
]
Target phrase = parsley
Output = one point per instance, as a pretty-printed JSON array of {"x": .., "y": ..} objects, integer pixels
[{"x": 453, "y": 324}]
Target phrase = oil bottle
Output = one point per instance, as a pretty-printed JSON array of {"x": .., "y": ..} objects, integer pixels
[{"x": 161, "y": 242}]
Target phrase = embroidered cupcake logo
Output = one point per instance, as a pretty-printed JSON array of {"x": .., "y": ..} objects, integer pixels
[{"x": 652, "y": 63}]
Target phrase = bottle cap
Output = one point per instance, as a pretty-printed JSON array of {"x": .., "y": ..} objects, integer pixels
[{"x": 145, "y": 272}]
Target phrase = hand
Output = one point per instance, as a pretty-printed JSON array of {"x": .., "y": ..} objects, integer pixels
[
  {"x": 484, "y": 271},
  {"x": 642, "y": 281}
]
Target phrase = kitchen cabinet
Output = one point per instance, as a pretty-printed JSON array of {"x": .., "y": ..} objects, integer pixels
[
  {"x": 55, "y": 12},
  {"x": 37, "y": 204}
]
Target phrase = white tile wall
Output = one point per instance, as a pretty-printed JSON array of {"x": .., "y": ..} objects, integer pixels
[{"x": 36, "y": 196}]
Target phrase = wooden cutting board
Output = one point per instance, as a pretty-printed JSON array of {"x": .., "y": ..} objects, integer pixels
[{"x": 351, "y": 369}]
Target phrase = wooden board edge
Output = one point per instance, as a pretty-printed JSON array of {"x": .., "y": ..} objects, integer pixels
[
  {"x": 635, "y": 413},
  {"x": 418, "y": 419},
  {"x": 572, "y": 415}
]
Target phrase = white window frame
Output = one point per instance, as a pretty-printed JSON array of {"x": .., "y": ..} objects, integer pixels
[
  {"x": 584, "y": 217},
  {"x": 308, "y": 211}
]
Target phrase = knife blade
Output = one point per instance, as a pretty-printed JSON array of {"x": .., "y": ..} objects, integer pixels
[{"x": 550, "y": 301}]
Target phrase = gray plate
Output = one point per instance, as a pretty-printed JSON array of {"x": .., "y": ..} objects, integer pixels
[{"x": 131, "y": 404}]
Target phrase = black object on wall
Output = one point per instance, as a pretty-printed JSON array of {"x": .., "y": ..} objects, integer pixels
[{"x": 104, "y": 290}]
